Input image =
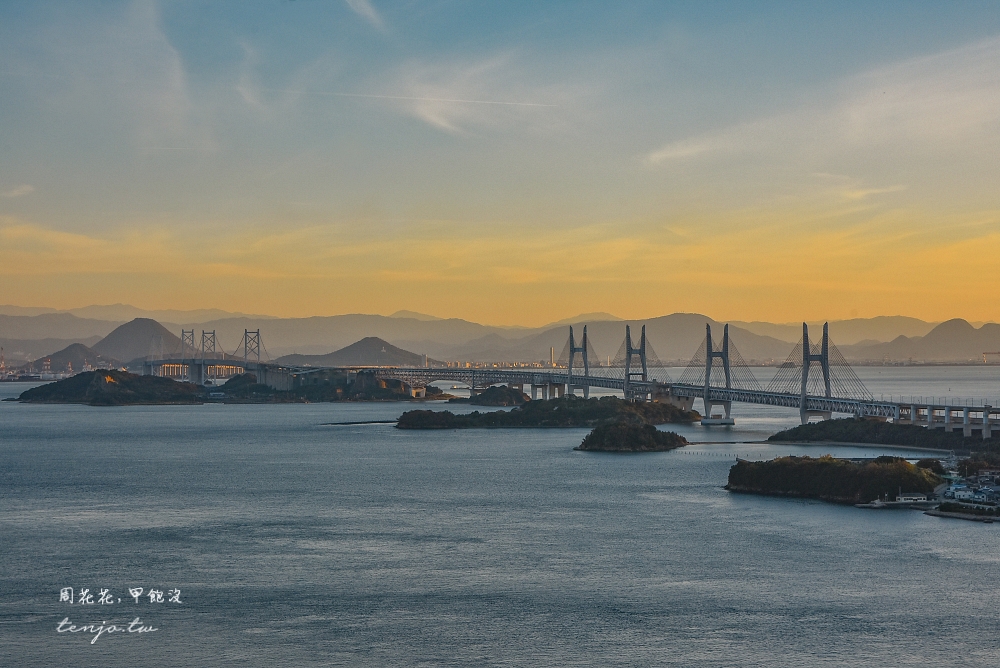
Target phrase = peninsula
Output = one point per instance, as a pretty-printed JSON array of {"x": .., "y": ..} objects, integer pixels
[
  {"x": 114, "y": 388},
  {"x": 864, "y": 430},
  {"x": 567, "y": 411},
  {"x": 121, "y": 388}
]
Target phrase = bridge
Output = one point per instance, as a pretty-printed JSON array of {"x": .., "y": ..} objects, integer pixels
[{"x": 815, "y": 379}]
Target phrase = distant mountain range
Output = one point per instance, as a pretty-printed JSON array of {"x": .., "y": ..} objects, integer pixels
[
  {"x": 674, "y": 338},
  {"x": 120, "y": 313}
]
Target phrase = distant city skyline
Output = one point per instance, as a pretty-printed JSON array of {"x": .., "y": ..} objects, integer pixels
[{"x": 511, "y": 164}]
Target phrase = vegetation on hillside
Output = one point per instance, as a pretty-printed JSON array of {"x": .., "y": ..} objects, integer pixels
[
  {"x": 829, "y": 479},
  {"x": 496, "y": 395},
  {"x": 119, "y": 388},
  {"x": 630, "y": 437},
  {"x": 114, "y": 388},
  {"x": 567, "y": 411}
]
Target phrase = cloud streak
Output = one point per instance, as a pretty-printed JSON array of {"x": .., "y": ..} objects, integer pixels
[
  {"x": 364, "y": 9},
  {"x": 941, "y": 102},
  {"x": 19, "y": 191}
]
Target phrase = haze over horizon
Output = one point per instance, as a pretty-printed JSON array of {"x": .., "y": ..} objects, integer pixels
[{"x": 513, "y": 164}]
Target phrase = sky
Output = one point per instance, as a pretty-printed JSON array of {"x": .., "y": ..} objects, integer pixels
[{"x": 506, "y": 162}]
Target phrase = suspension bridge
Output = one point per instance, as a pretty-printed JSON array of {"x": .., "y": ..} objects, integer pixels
[{"x": 815, "y": 379}]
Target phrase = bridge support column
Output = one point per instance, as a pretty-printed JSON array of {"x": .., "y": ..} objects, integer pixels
[
  {"x": 966, "y": 423},
  {"x": 536, "y": 388},
  {"x": 947, "y": 419},
  {"x": 665, "y": 395},
  {"x": 709, "y": 419},
  {"x": 987, "y": 432},
  {"x": 196, "y": 372},
  {"x": 913, "y": 414}
]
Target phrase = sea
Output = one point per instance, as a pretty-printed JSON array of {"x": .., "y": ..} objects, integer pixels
[{"x": 265, "y": 535}]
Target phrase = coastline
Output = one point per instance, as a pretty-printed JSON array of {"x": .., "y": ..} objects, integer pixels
[
  {"x": 847, "y": 444},
  {"x": 961, "y": 516}
]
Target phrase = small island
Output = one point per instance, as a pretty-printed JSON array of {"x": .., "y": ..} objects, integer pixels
[
  {"x": 830, "y": 479},
  {"x": 630, "y": 437},
  {"x": 495, "y": 395},
  {"x": 567, "y": 411}
]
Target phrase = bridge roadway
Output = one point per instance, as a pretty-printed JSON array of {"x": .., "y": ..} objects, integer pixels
[
  {"x": 557, "y": 377},
  {"x": 554, "y": 382}
]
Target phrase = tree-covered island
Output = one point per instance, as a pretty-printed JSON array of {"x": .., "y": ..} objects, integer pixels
[
  {"x": 569, "y": 411},
  {"x": 630, "y": 437},
  {"x": 830, "y": 479}
]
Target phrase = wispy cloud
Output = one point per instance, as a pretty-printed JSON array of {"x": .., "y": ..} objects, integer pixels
[
  {"x": 19, "y": 191},
  {"x": 364, "y": 9},
  {"x": 458, "y": 97},
  {"x": 942, "y": 101}
]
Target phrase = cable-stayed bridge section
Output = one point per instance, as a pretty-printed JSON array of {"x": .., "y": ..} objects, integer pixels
[{"x": 815, "y": 379}]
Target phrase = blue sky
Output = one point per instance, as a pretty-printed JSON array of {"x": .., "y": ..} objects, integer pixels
[{"x": 778, "y": 161}]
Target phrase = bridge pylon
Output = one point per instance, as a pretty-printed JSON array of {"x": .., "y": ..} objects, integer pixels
[
  {"x": 198, "y": 372},
  {"x": 251, "y": 346},
  {"x": 808, "y": 357},
  {"x": 187, "y": 346},
  {"x": 712, "y": 354},
  {"x": 641, "y": 373},
  {"x": 573, "y": 351}
]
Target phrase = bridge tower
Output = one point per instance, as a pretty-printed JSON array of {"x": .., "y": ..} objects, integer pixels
[
  {"x": 711, "y": 354},
  {"x": 251, "y": 346},
  {"x": 808, "y": 357},
  {"x": 207, "y": 352},
  {"x": 573, "y": 350},
  {"x": 207, "y": 344},
  {"x": 637, "y": 374},
  {"x": 187, "y": 345}
]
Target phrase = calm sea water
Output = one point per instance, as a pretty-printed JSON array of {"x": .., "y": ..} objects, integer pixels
[{"x": 298, "y": 544}]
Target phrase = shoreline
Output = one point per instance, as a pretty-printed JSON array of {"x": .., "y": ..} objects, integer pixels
[
  {"x": 858, "y": 445},
  {"x": 961, "y": 516}
]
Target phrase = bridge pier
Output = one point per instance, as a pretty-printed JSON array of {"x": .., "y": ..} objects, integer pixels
[
  {"x": 966, "y": 423},
  {"x": 548, "y": 390},
  {"x": 663, "y": 394},
  {"x": 710, "y": 420}
]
